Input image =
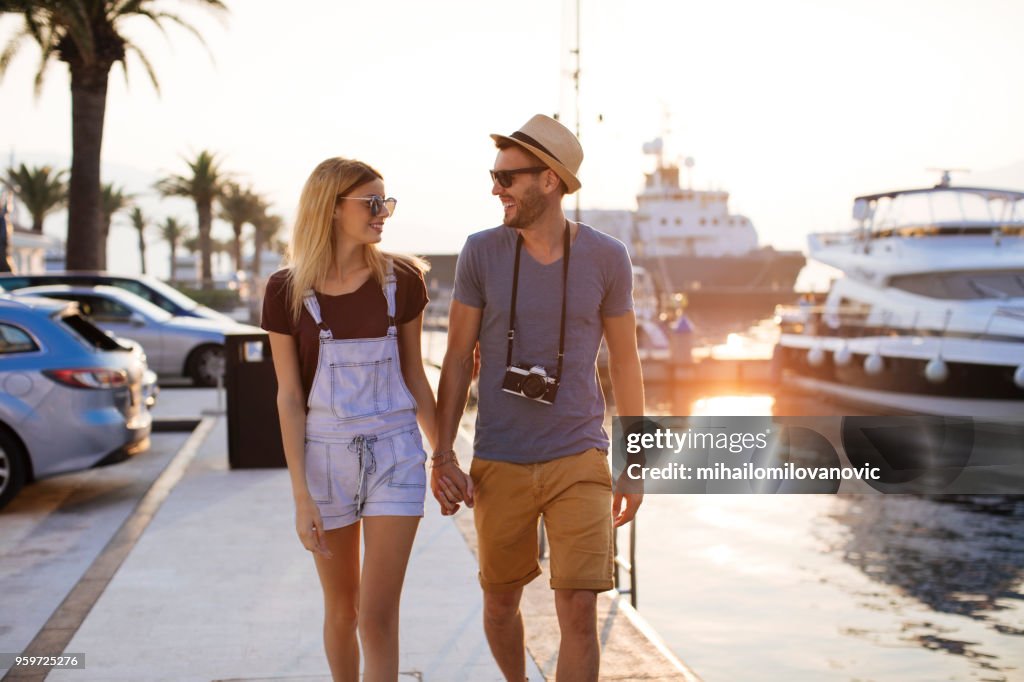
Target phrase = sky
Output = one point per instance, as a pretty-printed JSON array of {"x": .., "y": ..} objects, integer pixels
[{"x": 792, "y": 106}]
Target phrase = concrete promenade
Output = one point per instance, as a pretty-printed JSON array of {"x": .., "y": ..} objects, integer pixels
[{"x": 207, "y": 581}]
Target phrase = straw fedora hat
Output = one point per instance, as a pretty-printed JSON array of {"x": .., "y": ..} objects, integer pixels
[{"x": 552, "y": 143}]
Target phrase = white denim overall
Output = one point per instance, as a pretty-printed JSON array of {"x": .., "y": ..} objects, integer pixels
[{"x": 364, "y": 453}]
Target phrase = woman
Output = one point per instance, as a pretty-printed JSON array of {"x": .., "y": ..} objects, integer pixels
[{"x": 345, "y": 321}]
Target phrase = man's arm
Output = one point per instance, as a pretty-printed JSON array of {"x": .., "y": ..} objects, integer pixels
[
  {"x": 628, "y": 389},
  {"x": 448, "y": 482}
]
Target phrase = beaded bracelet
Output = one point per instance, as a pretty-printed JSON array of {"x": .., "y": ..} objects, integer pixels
[{"x": 443, "y": 457}]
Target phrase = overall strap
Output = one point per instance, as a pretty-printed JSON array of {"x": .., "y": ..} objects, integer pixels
[
  {"x": 313, "y": 307},
  {"x": 390, "y": 286}
]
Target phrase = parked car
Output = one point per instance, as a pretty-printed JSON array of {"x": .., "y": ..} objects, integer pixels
[
  {"x": 149, "y": 288},
  {"x": 150, "y": 387},
  {"x": 72, "y": 396},
  {"x": 175, "y": 346}
]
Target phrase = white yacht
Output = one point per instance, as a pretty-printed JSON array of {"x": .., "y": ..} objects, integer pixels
[{"x": 929, "y": 317}]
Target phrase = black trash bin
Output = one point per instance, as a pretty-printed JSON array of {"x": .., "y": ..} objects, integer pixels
[{"x": 254, "y": 432}]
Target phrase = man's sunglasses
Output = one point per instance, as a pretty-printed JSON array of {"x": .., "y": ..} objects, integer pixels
[
  {"x": 505, "y": 177},
  {"x": 376, "y": 203}
]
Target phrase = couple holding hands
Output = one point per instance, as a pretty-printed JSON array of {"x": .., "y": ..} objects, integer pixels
[{"x": 537, "y": 293}]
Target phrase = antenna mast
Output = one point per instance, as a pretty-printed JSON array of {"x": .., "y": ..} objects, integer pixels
[{"x": 576, "y": 83}]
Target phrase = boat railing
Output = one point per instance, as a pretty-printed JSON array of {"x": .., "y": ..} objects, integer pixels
[
  {"x": 860, "y": 235},
  {"x": 626, "y": 563},
  {"x": 865, "y": 320}
]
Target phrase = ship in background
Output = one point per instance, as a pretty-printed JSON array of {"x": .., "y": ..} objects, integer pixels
[{"x": 699, "y": 254}]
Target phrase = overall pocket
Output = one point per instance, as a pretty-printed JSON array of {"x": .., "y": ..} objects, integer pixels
[
  {"x": 405, "y": 458},
  {"x": 360, "y": 389},
  {"x": 318, "y": 471}
]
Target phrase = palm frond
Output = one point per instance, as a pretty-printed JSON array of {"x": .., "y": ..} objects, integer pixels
[
  {"x": 11, "y": 49},
  {"x": 134, "y": 49}
]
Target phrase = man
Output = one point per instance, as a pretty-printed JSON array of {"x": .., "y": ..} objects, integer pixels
[{"x": 540, "y": 448}]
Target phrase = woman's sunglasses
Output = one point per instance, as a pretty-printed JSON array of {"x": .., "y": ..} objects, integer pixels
[
  {"x": 376, "y": 203},
  {"x": 505, "y": 177}
]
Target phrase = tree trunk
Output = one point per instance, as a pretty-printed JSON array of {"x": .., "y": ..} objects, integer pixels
[
  {"x": 257, "y": 254},
  {"x": 88, "y": 106},
  {"x": 142, "y": 252},
  {"x": 174, "y": 263},
  {"x": 6, "y": 234},
  {"x": 104, "y": 233},
  {"x": 37, "y": 224},
  {"x": 205, "y": 211},
  {"x": 237, "y": 251}
]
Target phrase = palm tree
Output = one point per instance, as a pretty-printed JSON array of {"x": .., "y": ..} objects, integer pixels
[
  {"x": 140, "y": 223},
  {"x": 112, "y": 200},
  {"x": 239, "y": 206},
  {"x": 40, "y": 188},
  {"x": 221, "y": 248},
  {"x": 266, "y": 228},
  {"x": 173, "y": 232},
  {"x": 204, "y": 185},
  {"x": 87, "y": 36}
]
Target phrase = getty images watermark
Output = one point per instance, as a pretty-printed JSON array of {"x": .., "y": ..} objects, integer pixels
[{"x": 912, "y": 454}]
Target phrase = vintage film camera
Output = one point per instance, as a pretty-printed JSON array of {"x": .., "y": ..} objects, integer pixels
[{"x": 533, "y": 383}]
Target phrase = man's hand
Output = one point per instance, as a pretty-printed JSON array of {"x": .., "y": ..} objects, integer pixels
[
  {"x": 451, "y": 485},
  {"x": 630, "y": 491}
]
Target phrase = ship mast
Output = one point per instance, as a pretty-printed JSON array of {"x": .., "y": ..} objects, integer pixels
[{"x": 576, "y": 85}]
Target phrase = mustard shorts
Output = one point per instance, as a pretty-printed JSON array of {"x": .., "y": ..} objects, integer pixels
[{"x": 573, "y": 495}]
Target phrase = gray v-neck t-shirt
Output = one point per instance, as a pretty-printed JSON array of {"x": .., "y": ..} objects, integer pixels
[{"x": 512, "y": 428}]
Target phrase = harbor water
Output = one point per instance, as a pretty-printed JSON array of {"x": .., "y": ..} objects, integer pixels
[{"x": 829, "y": 587}]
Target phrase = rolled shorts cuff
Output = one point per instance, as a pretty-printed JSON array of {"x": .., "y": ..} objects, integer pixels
[
  {"x": 393, "y": 509},
  {"x": 591, "y": 585},
  {"x": 508, "y": 587}
]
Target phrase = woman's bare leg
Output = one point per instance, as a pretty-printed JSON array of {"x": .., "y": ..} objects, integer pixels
[
  {"x": 388, "y": 544},
  {"x": 339, "y": 577}
]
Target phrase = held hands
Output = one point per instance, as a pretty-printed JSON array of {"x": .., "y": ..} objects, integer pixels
[
  {"x": 630, "y": 491},
  {"x": 450, "y": 484},
  {"x": 310, "y": 527}
]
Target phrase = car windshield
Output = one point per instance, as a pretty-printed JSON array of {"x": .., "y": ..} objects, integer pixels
[
  {"x": 143, "y": 306},
  {"x": 113, "y": 303},
  {"x": 170, "y": 292}
]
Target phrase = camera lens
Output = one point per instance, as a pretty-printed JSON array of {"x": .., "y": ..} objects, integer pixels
[{"x": 533, "y": 386}]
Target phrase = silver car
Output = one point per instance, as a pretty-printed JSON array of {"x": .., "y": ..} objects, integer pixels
[
  {"x": 71, "y": 397},
  {"x": 175, "y": 346}
]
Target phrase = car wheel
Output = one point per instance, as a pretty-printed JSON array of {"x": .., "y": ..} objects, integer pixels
[
  {"x": 207, "y": 365},
  {"x": 12, "y": 468}
]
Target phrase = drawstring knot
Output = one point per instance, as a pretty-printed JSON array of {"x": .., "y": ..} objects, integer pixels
[{"x": 362, "y": 446}]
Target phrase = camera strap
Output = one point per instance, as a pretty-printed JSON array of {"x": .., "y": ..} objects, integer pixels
[{"x": 565, "y": 288}]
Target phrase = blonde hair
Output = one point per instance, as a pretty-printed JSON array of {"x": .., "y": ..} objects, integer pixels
[{"x": 313, "y": 248}]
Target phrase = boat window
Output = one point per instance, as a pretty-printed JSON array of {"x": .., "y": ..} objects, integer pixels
[
  {"x": 964, "y": 286},
  {"x": 949, "y": 207}
]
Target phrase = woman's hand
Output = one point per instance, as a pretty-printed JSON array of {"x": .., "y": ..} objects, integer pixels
[
  {"x": 450, "y": 485},
  {"x": 310, "y": 527}
]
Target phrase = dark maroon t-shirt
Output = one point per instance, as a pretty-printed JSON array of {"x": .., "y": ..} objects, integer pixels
[{"x": 361, "y": 314}]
